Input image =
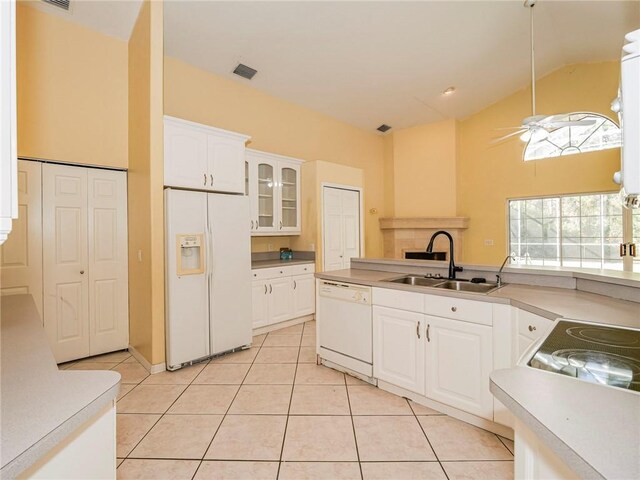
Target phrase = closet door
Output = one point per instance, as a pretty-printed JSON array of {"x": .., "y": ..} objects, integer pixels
[
  {"x": 341, "y": 227},
  {"x": 65, "y": 260},
  {"x": 21, "y": 254},
  {"x": 107, "y": 253}
]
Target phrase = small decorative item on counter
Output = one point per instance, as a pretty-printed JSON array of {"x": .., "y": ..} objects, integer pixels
[{"x": 286, "y": 254}]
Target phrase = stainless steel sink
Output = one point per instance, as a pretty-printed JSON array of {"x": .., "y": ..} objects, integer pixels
[
  {"x": 417, "y": 280},
  {"x": 463, "y": 286}
]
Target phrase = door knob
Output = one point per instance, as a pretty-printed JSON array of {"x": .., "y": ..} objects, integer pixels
[{"x": 532, "y": 328}]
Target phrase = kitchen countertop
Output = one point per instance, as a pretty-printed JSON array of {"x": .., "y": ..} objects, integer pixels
[
  {"x": 594, "y": 429},
  {"x": 548, "y": 302},
  {"x": 40, "y": 405},
  {"x": 569, "y": 415},
  {"x": 279, "y": 263}
]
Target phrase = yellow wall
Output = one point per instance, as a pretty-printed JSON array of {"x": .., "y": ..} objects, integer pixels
[
  {"x": 146, "y": 224},
  {"x": 424, "y": 170},
  {"x": 281, "y": 127},
  {"x": 72, "y": 91},
  {"x": 488, "y": 174}
]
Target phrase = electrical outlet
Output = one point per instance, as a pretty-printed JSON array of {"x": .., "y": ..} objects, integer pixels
[{"x": 488, "y": 242}]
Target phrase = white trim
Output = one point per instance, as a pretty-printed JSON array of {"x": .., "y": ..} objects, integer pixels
[
  {"x": 276, "y": 157},
  {"x": 360, "y": 191},
  {"x": 157, "y": 368},
  {"x": 206, "y": 128},
  {"x": 286, "y": 323}
]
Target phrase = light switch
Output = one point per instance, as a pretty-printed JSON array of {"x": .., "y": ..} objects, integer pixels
[{"x": 140, "y": 255}]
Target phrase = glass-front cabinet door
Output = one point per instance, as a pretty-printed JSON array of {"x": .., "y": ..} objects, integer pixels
[
  {"x": 289, "y": 201},
  {"x": 267, "y": 183}
]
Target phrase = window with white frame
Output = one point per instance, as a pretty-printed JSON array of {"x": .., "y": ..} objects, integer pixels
[{"x": 571, "y": 230}]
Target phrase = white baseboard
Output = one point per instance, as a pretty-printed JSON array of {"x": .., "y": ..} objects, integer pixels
[
  {"x": 157, "y": 368},
  {"x": 286, "y": 323}
]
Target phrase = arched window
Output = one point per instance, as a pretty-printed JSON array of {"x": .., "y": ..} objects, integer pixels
[{"x": 601, "y": 135}]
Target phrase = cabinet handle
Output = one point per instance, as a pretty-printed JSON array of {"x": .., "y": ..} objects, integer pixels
[
  {"x": 211, "y": 176},
  {"x": 428, "y": 327},
  {"x": 270, "y": 288},
  {"x": 294, "y": 285},
  {"x": 257, "y": 225},
  {"x": 532, "y": 328},
  {"x": 418, "y": 329},
  {"x": 205, "y": 179},
  {"x": 265, "y": 288},
  {"x": 280, "y": 224},
  {"x": 454, "y": 309},
  {"x": 251, "y": 224}
]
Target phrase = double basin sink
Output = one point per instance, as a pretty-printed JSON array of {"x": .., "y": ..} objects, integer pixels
[{"x": 444, "y": 284}]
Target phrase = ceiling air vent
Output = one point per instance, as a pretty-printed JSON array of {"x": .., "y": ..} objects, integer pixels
[
  {"x": 244, "y": 71},
  {"x": 63, "y": 4},
  {"x": 383, "y": 128}
]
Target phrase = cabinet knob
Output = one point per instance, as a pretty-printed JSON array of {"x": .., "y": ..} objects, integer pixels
[
  {"x": 281, "y": 271},
  {"x": 81, "y": 272},
  {"x": 454, "y": 309},
  {"x": 532, "y": 328}
]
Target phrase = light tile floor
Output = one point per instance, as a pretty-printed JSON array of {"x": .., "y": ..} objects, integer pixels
[{"x": 271, "y": 413}]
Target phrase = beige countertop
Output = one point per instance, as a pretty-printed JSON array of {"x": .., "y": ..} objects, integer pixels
[
  {"x": 40, "y": 405},
  {"x": 545, "y": 301},
  {"x": 279, "y": 263},
  {"x": 595, "y": 429}
]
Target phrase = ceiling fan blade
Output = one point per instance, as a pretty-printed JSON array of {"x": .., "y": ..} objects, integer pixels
[
  {"x": 570, "y": 123},
  {"x": 509, "y": 135}
]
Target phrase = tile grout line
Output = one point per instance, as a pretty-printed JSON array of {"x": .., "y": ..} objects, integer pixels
[
  {"x": 228, "y": 408},
  {"x": 427, "y": 437},
  {"x": 293, "y": 386},
  {"x": 353, "y": 425}
]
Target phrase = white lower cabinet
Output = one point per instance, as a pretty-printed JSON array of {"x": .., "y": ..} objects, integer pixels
[
  {"x": 280, "y": 299},
  {"x": 458, "y": 363},
  {"x": 398, "y": 348},
  {"x": 303, "y": 295},
  {"x": 282, "y": 293}
]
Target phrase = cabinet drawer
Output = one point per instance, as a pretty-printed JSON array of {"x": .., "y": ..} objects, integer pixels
[
  {"x": 531, "y": 325},
  {"x": 303, "y": 269},
  {"x": 459, "y": 309},
  {"x": 271, "y": 272},
  {"x": 388, "y": 297}
]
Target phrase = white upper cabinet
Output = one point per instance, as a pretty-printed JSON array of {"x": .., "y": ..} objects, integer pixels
[
  {"x": 273, "y": 185},
  {"x": 204, "y": 158},
  {"x": 8, "y": 142}
]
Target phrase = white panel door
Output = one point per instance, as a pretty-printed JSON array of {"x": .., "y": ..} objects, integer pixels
[
  {"x": 230, "y": 272},
  {"x": 65, "y": 261},
  {"x": 351, "y": 225},
  {"x": 185, "y": 157},
  {"x": 187, "y": 298},
  {"x": 108, "y": 280},
  {"x": 259, "y": 303},
  {"x": 398, "y": 348},
  {"x": 225, "y": 161},
  {"x": 333, "y": 252},
  {"x": 459, "y": 360},
  {"x": 304, "y": 298},
  {"x": 21, "y": 254},
  {"x": 280, "y": 299},
  {"x": 341, "y": 227}
]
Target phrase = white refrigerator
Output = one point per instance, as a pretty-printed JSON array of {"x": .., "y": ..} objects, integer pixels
[{"x": 208, "y": 275}]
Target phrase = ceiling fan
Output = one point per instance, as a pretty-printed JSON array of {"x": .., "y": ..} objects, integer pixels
[{"x": 538, "y": 127}]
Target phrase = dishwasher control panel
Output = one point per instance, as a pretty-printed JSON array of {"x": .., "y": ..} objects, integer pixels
[{"x": 346, "y": 292}]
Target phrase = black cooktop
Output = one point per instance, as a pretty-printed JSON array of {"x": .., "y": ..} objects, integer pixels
[{"x": 595, "y": 353}]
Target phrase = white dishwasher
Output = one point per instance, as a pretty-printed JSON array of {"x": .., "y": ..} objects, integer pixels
[{"x": 344, "y": 318}]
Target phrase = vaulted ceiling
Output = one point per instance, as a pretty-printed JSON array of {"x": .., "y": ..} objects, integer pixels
[{"x": 369, "y": 63}]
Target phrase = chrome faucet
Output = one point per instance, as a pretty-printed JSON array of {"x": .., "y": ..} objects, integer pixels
[
  {"x": 452, "y": 266},
  {"x": 498, "y": 276}
]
